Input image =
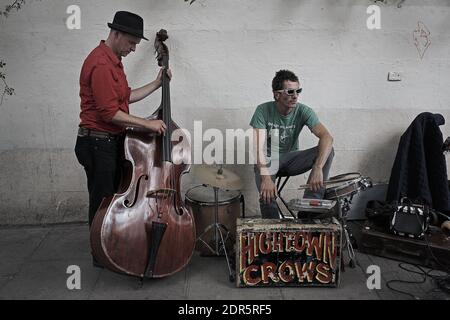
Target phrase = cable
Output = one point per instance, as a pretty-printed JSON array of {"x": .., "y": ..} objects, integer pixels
[
  {"x": 442, "y": 282},
  {"x": 423, "y": 273}
]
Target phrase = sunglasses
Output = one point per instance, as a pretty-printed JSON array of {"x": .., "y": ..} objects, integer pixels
[{"x": 291, "y": 92}]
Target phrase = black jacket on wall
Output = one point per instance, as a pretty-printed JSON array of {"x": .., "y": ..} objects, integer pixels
[{"x": 420, "y": 170}]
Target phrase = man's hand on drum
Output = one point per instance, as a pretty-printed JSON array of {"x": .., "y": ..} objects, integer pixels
[
  {"x": 316, "y": 179},
  {"x": 268, "y": 189}
]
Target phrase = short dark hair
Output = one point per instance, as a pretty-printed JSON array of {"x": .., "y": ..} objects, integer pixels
[{"x": 280, "y": 77}]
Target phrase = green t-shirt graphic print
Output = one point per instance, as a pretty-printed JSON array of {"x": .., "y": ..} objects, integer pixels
[{"x": 289, "y": 127}]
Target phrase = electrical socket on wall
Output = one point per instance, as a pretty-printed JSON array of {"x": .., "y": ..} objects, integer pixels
[{"x": 394, "y": 76}]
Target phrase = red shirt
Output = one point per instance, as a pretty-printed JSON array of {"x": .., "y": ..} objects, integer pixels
[{"x": 103, "y": 90}]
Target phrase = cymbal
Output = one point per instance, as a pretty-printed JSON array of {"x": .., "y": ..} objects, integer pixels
[{"x": 216, "y": 176}]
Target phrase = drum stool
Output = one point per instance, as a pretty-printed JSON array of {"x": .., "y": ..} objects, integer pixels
[{"x": 280, "y": 186}]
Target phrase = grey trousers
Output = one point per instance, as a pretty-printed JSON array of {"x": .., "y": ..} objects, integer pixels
[{"x": 292, "y": 164}]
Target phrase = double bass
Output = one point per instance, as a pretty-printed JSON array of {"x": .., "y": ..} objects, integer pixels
[{"x": 145, "y": 230}]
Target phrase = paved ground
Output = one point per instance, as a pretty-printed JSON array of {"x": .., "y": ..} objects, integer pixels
[{"x": 34, "y": 261}]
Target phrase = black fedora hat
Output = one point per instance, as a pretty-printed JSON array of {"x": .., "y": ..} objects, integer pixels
[{"x": 129, "y": 23}]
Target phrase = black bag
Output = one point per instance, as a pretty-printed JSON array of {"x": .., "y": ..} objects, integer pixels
[{"x": 410, "y": 219}]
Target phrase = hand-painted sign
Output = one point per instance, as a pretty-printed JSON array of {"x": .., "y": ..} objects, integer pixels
[{"x": 275, "y": 252}]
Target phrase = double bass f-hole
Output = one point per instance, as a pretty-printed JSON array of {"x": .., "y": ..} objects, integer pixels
[{"x": 127, "y": 203}]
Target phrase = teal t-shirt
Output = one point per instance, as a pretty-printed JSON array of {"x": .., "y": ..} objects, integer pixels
[{"x": 284, "y": 130}]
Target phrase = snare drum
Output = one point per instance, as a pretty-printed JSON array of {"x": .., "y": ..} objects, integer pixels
[
  {"x": 346, "y": 185},
  {"x": 201, "y": 200}
]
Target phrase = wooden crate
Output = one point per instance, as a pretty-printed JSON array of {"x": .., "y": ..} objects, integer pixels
[
  {"x": 433, "y": 251},
  {"x": 294, "y": 253}
]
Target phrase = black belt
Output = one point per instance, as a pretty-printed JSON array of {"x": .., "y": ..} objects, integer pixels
[{"x": 84, "y": 132}]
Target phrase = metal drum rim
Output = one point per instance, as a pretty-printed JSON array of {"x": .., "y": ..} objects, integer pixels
[{"x": 212, "y": 203}]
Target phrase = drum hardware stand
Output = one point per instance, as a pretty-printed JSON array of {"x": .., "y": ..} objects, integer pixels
[
  {"x": 219, "y": 244},
  {"x": 344, "y": 208},
  {"x": 344, "y": 202}
]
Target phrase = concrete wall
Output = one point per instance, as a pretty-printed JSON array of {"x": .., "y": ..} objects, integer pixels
[{"x": 223, "y": 55}]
